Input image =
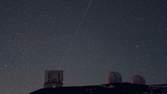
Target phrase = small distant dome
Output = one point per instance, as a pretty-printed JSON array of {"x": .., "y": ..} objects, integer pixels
[
  {"x": 114, "y": 77},
  {"x": 138, "y": 79}
]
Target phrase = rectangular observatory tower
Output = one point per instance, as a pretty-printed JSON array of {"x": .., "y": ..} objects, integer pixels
[{"x": 53, "y": 78}]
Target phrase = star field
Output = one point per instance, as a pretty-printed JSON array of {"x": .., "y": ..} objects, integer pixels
[{"x": 86, "y": 41}]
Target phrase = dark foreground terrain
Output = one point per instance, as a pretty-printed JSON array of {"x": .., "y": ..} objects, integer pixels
[{"x": 122, "y": 88}]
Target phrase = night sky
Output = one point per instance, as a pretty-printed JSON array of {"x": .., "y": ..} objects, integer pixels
[{"x": 85, "y": 38}]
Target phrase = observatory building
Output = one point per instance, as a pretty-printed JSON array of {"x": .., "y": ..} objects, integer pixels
[
  {"x": 138, "y": 79},
  {"x": 114, "y": 77},
  {"x": 53, "y": 78}
]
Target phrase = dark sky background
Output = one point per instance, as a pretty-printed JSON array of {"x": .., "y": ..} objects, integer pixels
[{"x": 128, "y": 36}]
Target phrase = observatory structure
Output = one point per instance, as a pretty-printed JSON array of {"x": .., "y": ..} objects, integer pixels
[
  {"x": 138, "y": 79},
  {"x": 53, "y": 78},
  {"x": 114, "y": 77}
]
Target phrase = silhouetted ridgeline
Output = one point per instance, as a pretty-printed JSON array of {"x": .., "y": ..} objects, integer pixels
[{"x": 117, "y": 88}]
